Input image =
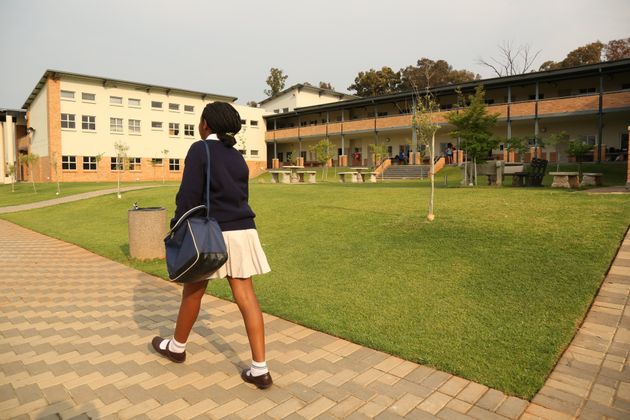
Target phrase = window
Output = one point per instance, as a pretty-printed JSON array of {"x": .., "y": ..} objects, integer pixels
[
  {"x": 243, "y": 152},
  {"x": 88, "y": 97},
  {"x": 156, "y": 125},
  {"x": 133, "y": 102},
  {"x": 116, "y": 125},
  {"x": 243, "y": 122},
  {"x": 338, "y": 119},
  {"x": 303, "y": 124},
  {"x": 382, "y": 114},
  {"x": 285, "y": 109},
  {"x": 89, "y": 163},
  {"x": 590, "y": 139},
  {"x": 116, "y": 163},
  {"x": 533, "y": 97},
  {"x": 253, "y": 123},
  {"x": 115, "y": 100},
  {"x": 254, "y": 152},
  {"x": 134, "y": 126},
  {"x": 173, "y": 129},
  {"x": 135, "y": 164},
  {"x": 157, "y": 162},
  {"x": 67, "y": 94},
  {"x": 489, "y": 101},
  {"x": 156, "y": 104},
  {"x": 173, "y": 164},
  {"x": 67, "y": 121},
  {"x": 189, "y": 108},
  {"x": 69, "y": 163},
  {"x": 588, "y": 90},
  {"x": 313, "y": 122},
  {"x": 189, "y": 130},
  {"x": 276, "y": 111},
  {"x": 88, "y": 122},
  {"x": 173, "y": 107}
]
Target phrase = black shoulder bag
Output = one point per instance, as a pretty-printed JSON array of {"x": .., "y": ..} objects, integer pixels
[{"x": 194, "y": 246}]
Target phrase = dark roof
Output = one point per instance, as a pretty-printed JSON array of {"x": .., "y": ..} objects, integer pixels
[
  {"x": 308, "y": 87},
  {"x": 42, "y": 81},
  {"x": 496, "y": 82}
]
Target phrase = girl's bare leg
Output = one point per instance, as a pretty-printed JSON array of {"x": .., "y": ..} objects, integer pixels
[
  {"x": 189, "y": 309},
  {"x": 243, "y": 292}
]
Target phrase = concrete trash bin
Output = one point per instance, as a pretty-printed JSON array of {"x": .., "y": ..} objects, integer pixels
[{"x": 147, "y": 229}]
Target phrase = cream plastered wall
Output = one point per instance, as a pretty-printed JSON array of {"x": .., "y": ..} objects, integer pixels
[
  {"x": 252, "y": 135},
  {"x": 296, "y": 99},
  {"x": 308, "y": 98},
  {"x": 287, "y": 100},
  {"x": 149, "y": 143},
  {"x": 38, "y": 119}
]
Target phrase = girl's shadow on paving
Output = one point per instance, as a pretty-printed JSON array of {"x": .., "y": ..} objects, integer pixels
[{"x": 155, "y": 308}]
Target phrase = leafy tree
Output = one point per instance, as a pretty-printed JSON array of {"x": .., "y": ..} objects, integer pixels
[
  {"x": 29, "y": 160},
  {"x": 376, "y": 82},
  {"x": 323, "y": 151},
  {"x": 98, "y": 157},
  {"x": 557, "y": 140},
  {"x": 275, "y": 81},
  {"x": 474, "y": 126},
  {"x": 326, "y": 85},
  {"x": 587, "y": 54},
  {"x": 252, "y": 104},
  {"x": 429, "y": 73},
  {"x": 519, "y": 145},
  {"x": 577, "y": 149},
  {"x": 121, "y": 160},
  {"x": 422, "y": 121},
  {"x": 617, "y": 49},
  {"x": 54, "y": 162},
  {"x": 511, "y": 60},
  {"x": 378, "y": 151},
  {"x": 12, "y": 172},
  {"x": 164, "y": 163}
]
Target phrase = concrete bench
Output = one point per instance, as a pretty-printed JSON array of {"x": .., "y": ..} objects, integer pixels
[
  {"x": 565, "y": 180},
  {"x": 368, "y": 176},
  {"x": 591, "y": 178},
  {"x": 312, "y": 179},
  {"x": 342, "y": 176},
  {"x": 280, "y": 176}
]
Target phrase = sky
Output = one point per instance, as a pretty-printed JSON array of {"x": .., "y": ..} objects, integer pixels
[{"x": 228, "y": 47}]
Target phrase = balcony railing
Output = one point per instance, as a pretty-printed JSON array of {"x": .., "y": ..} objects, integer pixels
[{"x": 524, "y": 109}]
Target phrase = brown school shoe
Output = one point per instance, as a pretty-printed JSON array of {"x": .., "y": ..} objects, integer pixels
[
  {"x": 261, "y": 382},
  {"x": 173, "y": 357}
]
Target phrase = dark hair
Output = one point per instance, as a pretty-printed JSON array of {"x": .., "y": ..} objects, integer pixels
[{"x": 223, "y": 120}]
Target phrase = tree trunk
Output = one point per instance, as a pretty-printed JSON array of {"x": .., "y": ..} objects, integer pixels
[{"x": 431, "y": 216}]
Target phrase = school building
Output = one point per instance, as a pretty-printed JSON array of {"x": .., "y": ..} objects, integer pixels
[
  {"x": 74, "y": 123},
  {"x": 589, "y": 102}
]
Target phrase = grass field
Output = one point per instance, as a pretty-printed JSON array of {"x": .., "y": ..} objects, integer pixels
[
  {"x": 24, "y": 193},
  {"x": 492, "y": 290}
]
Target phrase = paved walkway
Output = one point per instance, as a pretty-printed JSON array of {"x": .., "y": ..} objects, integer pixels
[
  {"x": 76, "y": 328},
  {"x": 69, "y": 199}
]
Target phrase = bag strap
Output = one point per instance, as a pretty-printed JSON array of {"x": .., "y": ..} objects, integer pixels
[{"x": 207, "y": 181}]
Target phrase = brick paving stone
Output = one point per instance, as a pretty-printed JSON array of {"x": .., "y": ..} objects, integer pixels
[
  {"x": 288, "y": 407},
  {"x": 371, "y": 409},
  {"x": 512, "y": 408},
  {"x": 453, "y": 386},
  {"x": 435, "y": 380},
  {"x": 472, "y": 393},
  {"x": 346, "y": 406},
  {"x": 459, "y": 406},
  {"x": 450, "y": 414},
  {"x": 435, "y": 402},
  {"x": 405, "y": 404},
  {"x": 316, "y": 408},
  {"x": 491, "y": 400},
  {"x": 257, "y": 408},
  {"x": 418, "y": 414},
  {"x": 546, "y": 413}
]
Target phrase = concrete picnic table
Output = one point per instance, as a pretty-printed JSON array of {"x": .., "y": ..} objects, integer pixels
[
  {"x": 294, "y": 172},
  {"x": 358, "y": 170},
  {"x": 565, "y": 180}
]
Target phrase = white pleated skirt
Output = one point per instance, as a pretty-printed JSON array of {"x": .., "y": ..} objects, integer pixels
[{"x": 246, "y": 257}]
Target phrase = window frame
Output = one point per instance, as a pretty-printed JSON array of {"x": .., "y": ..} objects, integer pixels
[
  {"x": 70, "y": 121},
  {"x": 111, "y": 125},
  {"x": 133, "y": 131},
  {"x": 174, "y": 165},
  {"x": 89, "y": 123},
  {"x": 88, "y": 162},
  {"x": 173, "y": 129},
  {"x": 114, "y": 103},
  {"x": 68, "y": 161}
]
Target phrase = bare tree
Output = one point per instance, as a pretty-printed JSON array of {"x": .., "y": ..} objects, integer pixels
[{"x": 511, "y": 60}]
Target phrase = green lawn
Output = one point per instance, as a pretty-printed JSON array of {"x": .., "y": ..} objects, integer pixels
[
  {"x": 24, "y": 193},
  {"x": 492, "y": 290}
]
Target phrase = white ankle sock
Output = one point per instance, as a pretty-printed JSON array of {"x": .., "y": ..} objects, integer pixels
[
  {"x": 173, "y": 345},
  {"x": 258, "y": 368}
]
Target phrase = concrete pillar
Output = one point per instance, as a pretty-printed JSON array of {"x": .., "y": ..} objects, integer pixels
[
  {"x": 628, "y": 159},
  {"x": 9, "y": 141},
  {"x": 147, "y": 229},
  {"x": 3, "y": 163}
]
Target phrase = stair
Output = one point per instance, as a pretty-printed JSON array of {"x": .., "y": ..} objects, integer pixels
[{"x": 407, "y": 172}]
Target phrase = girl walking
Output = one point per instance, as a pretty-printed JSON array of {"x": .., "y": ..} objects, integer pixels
[{"x": 229, "y": 206}]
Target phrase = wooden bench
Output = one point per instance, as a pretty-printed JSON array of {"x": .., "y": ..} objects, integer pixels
[
  {"x": 368, "y": 176},
  {"x": 312, "y": 179},
  {"x": 533, "y": 176},
  {"x": 280, "y": 176},
  {"x": 565, "y": 180},
  {"x": 592, "y": 178},
  {"x": 353, "y": 176}
]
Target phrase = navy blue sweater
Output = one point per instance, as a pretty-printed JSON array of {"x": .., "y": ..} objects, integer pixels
[{"x": 229, "y": 179}]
